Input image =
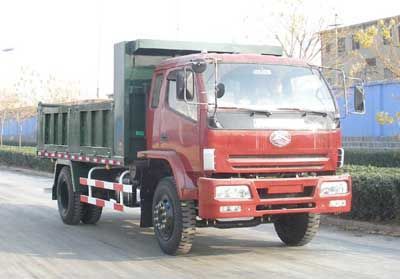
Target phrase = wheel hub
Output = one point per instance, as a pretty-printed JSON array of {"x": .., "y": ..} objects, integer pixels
[{"x": 164, "y": 218}]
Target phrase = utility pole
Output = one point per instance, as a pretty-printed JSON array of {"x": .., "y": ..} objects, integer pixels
[
  {"x": 99, "y": 39},
  {"x": 336, "y": 40},
  {"x": 336, "y": 24}
]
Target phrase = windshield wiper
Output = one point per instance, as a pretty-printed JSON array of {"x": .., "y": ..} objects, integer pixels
[
  {"x": 306, "y": 112},
  {"x": 251, "y": 110}
]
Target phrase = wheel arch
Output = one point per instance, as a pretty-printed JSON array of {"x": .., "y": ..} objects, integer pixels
[
  {"x": 185, "y": 187},
  {"x": 77, "y": 170}
]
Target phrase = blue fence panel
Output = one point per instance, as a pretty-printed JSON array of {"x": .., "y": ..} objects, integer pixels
[
  {"x": 391, "y": 104},
  {"x": 379, "y": 97},
  {"x": 11, "y": 131}
]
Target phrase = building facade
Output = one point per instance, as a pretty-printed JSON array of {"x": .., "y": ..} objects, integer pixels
[{"x": 341, "y": 48}]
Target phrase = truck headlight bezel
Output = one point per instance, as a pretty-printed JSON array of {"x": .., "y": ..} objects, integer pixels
[
  {"x": 232, "y": 192},
  {"x": 333, "y": 188}
]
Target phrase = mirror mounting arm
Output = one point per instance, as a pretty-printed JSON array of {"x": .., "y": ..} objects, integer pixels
[{"x": 344, "y": 77}]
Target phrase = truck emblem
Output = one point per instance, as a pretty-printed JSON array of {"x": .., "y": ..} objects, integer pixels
[{"x": 280, "y": 138}]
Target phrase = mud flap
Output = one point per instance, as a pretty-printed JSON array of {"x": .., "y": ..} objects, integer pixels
[{"x": 146, "y": 214}]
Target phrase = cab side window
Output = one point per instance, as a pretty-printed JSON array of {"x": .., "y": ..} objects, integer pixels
[
  {"x": 155, "y": 95},
  {"x": 177, "y": 102}
]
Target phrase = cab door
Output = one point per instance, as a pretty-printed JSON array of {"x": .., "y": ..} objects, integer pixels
[{"x": 179, "y": 129}]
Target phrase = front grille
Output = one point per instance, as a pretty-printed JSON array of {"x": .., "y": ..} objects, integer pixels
[
  {"x": 307, "y": 192},
  {"x": 278, "y": 162}
]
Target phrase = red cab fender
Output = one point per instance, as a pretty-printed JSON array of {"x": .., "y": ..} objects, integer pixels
[{"x": 184, "y": 184}]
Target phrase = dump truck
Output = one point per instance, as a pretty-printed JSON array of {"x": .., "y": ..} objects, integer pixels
[{"x": 202, "y": 135}]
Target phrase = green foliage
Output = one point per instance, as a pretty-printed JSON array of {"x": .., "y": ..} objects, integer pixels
[
  {"x": 384, "y": 118},
  {"x": 25, "y": 158},
  {"x": 16, "y": 149},
  {"x": 376, "y": 193},
  {"x": 390, "y": 158}
]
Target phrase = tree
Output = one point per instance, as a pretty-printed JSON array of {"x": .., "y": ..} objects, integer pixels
[
  {"x": 20, "y": 101},
  {"x": 297, "y": 33},
  {"x": 19, "y": 114},
  {"x": 32, "y": 88},
  {"x": 380, "y": 40},
  {"x": 382, "y": 34}
]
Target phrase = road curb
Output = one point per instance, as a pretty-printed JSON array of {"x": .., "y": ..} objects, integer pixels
[{"x": 362, "y": 226}]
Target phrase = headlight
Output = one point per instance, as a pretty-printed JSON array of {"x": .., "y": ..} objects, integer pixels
[
  {"x": 333, "y": 188},
  {"x": 232, "y": 192}
]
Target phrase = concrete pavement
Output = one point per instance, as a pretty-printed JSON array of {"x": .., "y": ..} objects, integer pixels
[{"x": 34, "y": 243}]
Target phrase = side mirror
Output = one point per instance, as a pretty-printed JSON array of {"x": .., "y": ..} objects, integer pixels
[
  {"x": 220, "y": 90},
  {"x": 359, "y": 99},
  {"x": 185, "y": 85},
  {"x": 180, "y": 85},
  {"x": 199, "y": 66}
]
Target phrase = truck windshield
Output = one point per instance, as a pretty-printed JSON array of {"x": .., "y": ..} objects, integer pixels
[{"x": 265, "y": 87}]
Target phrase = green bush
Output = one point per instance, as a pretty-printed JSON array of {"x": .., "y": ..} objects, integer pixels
[
  {"x": 376, "y": 193},
  {"x": 24, "y": 149},
  {"x": 25, "y": 159},
  {"x": 364, "y": 157}
]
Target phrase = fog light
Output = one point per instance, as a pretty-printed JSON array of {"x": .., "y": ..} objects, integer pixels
[
  {"x": 230, "y": 208},
  {"x": 337, "y": 203},
  {"x": 333, "y": 188},
  {"x": 232, "y": 192}
]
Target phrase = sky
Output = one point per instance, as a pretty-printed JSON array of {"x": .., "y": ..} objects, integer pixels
[{"x": 73, "y": 39}]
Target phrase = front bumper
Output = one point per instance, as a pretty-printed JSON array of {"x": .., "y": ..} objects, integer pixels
[{"x": 273, "y": 196}]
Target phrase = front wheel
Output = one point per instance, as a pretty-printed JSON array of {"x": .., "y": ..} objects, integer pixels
[
  {"x": 297, "y": 229},
  {"x": 174, "y": 220}
]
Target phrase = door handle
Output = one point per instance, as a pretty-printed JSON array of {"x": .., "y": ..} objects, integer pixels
[{"x": 164, "y": 137}]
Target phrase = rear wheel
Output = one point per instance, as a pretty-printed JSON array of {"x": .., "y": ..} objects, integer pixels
[
  {"x": 297, "y": 229},
  {"x": 174, "y": 220},
  {"x": 90, "y": 213},
  {"x": 69, "y": 205}
]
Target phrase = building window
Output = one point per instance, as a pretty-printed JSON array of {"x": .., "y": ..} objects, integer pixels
[
  {"x": 398, "y": 32},
  {"x": 387, "y": 74},
  {"x": 355, "y": 43},
  {"x": 328, "y": 47},
  {"x": 388, "y": 41},
  {"x": 371, "y": 62},
  {"x": 341, "y": 44}
]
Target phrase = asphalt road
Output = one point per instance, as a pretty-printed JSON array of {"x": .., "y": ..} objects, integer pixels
[{"x": 35, "y": 244}]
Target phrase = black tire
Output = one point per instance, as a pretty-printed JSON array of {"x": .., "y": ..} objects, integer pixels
[
  {"x": 297, "y": 229},
  {"x": 90, "y": 214},
  {"x": 69, "y": 205},
  {"x": 179, "y": 220}
]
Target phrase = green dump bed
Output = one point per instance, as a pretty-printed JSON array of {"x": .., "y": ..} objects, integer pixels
[
  {"x": 113, "y": 131},
  {"x": 107, "y": 130}
]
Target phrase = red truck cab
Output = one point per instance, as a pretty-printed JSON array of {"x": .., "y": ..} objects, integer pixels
[
  {"x": 260, "y": 152},
  {"x": 284, "y": 158}
]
